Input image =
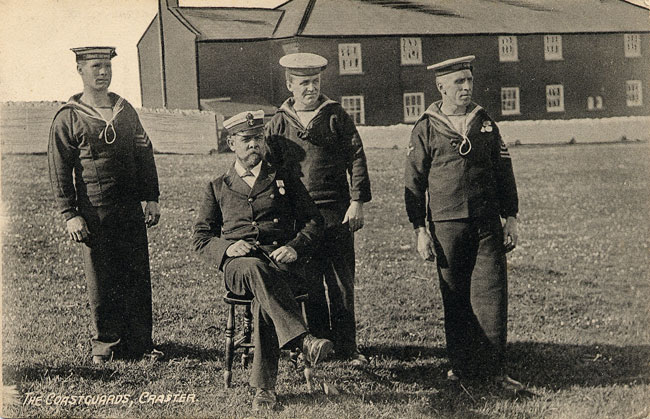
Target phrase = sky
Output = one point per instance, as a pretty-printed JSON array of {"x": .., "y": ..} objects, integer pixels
[{"x": 36, "y": 36}]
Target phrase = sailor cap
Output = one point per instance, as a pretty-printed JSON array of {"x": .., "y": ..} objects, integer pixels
[
  {"x": 452, "y": 65},
  {"x": 303, "y": 63},
  {"x": 94, "y": 53}
]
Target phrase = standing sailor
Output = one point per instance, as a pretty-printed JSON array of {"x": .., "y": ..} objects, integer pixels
[
  {"x": 456, "y": 154},
  {"x": 102, "y": 167},
  {"x": 313, "y": 137}
]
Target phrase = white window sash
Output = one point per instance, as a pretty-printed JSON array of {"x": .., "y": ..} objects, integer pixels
[
  {"x": 354, "y": 106},
  {"x": 633, "y": 93},
  {"x": 632, "y": 44},
  {"x": 510, "y": 101},
  {"x": 554, "y": 98},
  {"x": 413, "y": 106},
  {"x": 508, "y": 49},
  {"x": 350, "y": 59},
  {"x": 553, "y": 47},
  {"x": 411, "y": 51}
]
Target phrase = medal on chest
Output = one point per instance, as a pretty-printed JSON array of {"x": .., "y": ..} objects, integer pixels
[{"x": 280, "y": 185}]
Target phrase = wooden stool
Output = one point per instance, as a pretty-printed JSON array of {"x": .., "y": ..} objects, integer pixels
[{"x": 244, "y": 340}]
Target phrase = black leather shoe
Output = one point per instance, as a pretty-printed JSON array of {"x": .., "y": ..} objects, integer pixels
[
  {"x": 264, "y": 400},
  {"x": 315, "y": 350}
]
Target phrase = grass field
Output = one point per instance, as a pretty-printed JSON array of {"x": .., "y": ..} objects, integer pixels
[{"x": 579, "y": 309}]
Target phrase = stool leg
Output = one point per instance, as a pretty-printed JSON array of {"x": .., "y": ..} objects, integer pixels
[
  {"x": 248, "y": 330},
  {"x": 230, "y": 345},
  {"x": 303, "y": 308}
]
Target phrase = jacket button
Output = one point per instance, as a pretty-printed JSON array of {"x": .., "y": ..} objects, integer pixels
[
  {"x": 275, "y": 243},
  {"x": 272, "y": 196},
  {"x": 275, "y": 220},
  {"x": 254, "y": 223},
  {"x": 250, "y": 199},
  {"x": 257, "y": 243}
]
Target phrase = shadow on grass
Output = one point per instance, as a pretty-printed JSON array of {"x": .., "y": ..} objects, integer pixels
[
  {"x": 550, "y": 366},
  {"x": 177, "y": 350},
  {"x": 558, "y": 366},
  {"x": 38, "y": 372}
]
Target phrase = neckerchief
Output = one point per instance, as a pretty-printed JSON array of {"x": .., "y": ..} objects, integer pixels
[
  {"x": 89, "y": 112},
  {"x": 442, "y": 124}
]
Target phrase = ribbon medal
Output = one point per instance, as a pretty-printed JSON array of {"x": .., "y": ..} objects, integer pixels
[
  {"x": 487, "y": 126},
  {"x": 280, "y": 184}
]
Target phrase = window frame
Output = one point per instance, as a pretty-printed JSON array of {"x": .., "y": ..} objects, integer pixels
[
  {"x": 560, "y": 107},
  {"x": 514, "y": 56},
  {"x": 412, "y": 118},
  {"x": 639, "y": 90},
  {"x": 553, "y": 56},
  {"x": 635, "y": 39},
  {"x": 351, "y": 70},
  {"x": 361, "y": 111},
  {"x": 418, "y": 49},
  {"x": 517, "y": 99}
]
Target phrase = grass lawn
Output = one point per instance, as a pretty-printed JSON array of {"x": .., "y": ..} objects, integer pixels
[{"x": 578, "y": 331}]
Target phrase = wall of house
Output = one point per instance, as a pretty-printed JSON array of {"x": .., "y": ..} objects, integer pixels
[
  {"x": 149, "y": 65},
  {"x": 238, "y": 70},
  {"x": 592, "y": 65},
  {"x": 180, "y": 64}
]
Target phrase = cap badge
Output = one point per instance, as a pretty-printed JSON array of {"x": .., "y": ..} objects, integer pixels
[{"x": 250, "y": 119}]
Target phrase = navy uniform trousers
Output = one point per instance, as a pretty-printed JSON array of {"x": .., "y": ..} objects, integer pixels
[
  {"x": 277, "y": 318},
  {"x": 116, "y": 262},
  {"x": 332, "y": 266},
  {"x": 471, "y": 264}
]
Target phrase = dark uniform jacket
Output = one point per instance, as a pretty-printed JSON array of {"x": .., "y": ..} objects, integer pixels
[
  {"x": 112, "y": 161},
  {"x": 277, "y": 211},
  {"x": 480, "y": 183},
  {"x": 322, "y": 154}
]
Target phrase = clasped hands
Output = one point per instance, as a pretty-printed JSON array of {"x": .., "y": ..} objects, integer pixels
[{"x": 283, "y": 254}]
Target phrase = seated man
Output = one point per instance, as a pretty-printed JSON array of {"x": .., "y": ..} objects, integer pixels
[{"x": 253, "y": 223}]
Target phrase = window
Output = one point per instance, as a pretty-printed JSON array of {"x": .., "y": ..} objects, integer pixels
[
  {"x": 594, "y": 103},
  {"x": 552, "y": 47},
  {"x": 413, "y": 106},
  {"x": 353, "y": 105},
  {"x": 633, "y": 93},
  {"x": 632, "y": 45},
  {"x": 350, "y": 59},
  {"x": 508, "y": 48},
  {"x": 510, "y": 101},
  {"x": 554, "y": 98},
  {"x": 411, "y": 51}
]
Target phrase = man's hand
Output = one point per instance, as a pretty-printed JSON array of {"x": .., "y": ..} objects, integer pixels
[
  {"x": 77, "y": 229},
  {"x": 239, "y": 248},
  {"x": 284, "y": 254},
  {"x": 510, "y": 234},
  {"x": 151, "y": 213},
  {"x": 425, "y": 244},
  {"x": 354, "y": 216}
]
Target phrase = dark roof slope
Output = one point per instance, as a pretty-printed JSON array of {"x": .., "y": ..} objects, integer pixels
[
  {"x": 413, "y": 17},
  {"x": 217, "y": 23},
  {"x": 438, "y": 17}
]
